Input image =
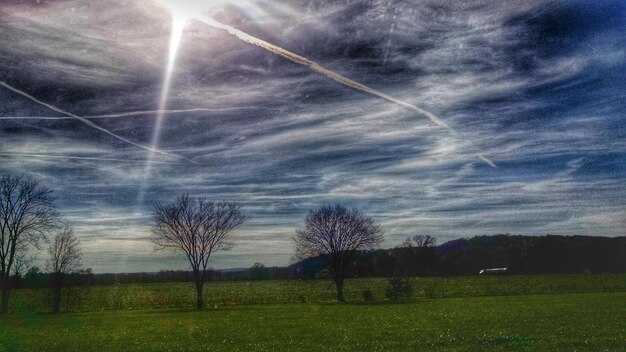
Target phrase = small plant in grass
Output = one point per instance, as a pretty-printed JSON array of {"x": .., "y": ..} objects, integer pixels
[
  {"x": 230, "y": 299},
  {"x": 302, "y": 298},
  {"x": 399, "y": 288}
]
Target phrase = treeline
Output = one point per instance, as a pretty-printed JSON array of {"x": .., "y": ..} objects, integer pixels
[
  {"x": 520, "y": 254},
  {"x": 35, "y": 278},
  {"x": 536, "y": 255}
]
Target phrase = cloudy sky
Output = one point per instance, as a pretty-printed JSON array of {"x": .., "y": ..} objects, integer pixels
[{"x": 538, "y": 87}]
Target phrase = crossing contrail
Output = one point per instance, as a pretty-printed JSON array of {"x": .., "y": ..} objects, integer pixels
[
  {"x": 34, "y": 117},
  {"x": 314, "y": 66},
  {"x": 91, "y": 124},
  {"x": 72, "y": 157},
  {"x": 166, "y": 112},
  {"x": 130, "y": 113}
]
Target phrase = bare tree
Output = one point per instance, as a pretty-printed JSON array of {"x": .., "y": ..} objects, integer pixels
[
  {"x": 27, "y": 214},
  {"x": 23, "y": 261},
  {"x": 424, "y": 241},
  {"x": 336, "y": 233},
  {"x": 419, "y": 241},
  {"x": 197, "y": 228},
  {"x": 65, "y": 259}
]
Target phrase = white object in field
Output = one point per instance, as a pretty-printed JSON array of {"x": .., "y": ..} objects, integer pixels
[{"x": 493, "y": 271}]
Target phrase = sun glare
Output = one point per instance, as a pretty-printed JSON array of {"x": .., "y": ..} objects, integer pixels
[
  {"x": 190, "y": 8},
  {"x": 179, "y": 20}
]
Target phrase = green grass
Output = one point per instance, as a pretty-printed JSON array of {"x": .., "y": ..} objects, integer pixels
[
  {"x": 182, "y": 295},
  {"x": 554, "y": 322}
]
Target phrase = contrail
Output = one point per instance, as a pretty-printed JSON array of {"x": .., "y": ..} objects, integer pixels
[
  {"x": 71, "y": 157},
  {"x": 129, "y": 113},
  {"x": 488, "y": 161},
  {"x": 34, "y": 118},
  {"x": 314, "y": 66},
  {"x": 166, "y": 112},
  {"x": 91, "y": 124}
]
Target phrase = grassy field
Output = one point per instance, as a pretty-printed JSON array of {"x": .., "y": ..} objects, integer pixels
[
  {"x": 554, "y": 322},
  {"x": 231, "y": 293}
]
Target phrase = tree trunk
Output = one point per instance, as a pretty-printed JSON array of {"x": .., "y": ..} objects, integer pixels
[
  {"x": 5, "y": 300},
  {"x": 56, "y": 299},
  {"x": 339, "y": 284},
  {"x": 199, "y": 301}
]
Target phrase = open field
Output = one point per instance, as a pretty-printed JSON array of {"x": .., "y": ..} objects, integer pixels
[
  {"x": 220, "y": 293},
  {"x": 555, "y": 322}
]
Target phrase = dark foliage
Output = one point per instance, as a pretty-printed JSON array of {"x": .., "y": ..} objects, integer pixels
[
  {"x": 538, "y": 255},
  {"x": 399, "y": 288},
  {"x": 521, "y": 254},
  {"x": 368, "y": 295},
  {"x": 258, "y": 272}
]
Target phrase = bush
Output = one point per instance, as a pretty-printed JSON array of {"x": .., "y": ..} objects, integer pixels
[
  {"x": 368, "y": 295},
  {"x": 399, "y": 288},
  {"x": 230, "y": 299},
  {"x": 430, "y": 290}
]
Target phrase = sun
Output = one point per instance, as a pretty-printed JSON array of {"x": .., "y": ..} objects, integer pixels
[{"x": 186, "y": 9}]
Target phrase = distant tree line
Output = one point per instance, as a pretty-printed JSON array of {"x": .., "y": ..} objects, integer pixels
[
  {"x": 548, "y": 254},
  {"x": 520, "y": 254},
  {"x": 35, "y": 278}
]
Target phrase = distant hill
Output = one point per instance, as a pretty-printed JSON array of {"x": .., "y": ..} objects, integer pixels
[
  {"x": 520, "y": 254},
  {"x": 540, "y": 254}
]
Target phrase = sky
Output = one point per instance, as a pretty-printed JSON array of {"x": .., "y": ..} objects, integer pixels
[{"x": 536, "y": 87}]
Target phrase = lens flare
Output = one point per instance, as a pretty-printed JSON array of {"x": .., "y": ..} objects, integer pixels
[
  {"x": 191, "y": 8},
  {"x": 178, "y": 25}
]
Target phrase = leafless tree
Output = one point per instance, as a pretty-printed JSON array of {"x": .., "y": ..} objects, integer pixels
[
  {"x": 27, "y": 214},
  {"x": 197, "y": 228},
  {"x": 336, "y": 234},
  {"x": 424, "y": 241},
  {"x": 65, "y": 259},
  {"x": 24, "y": 258},
  {"x": 419, "y": 241}
]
